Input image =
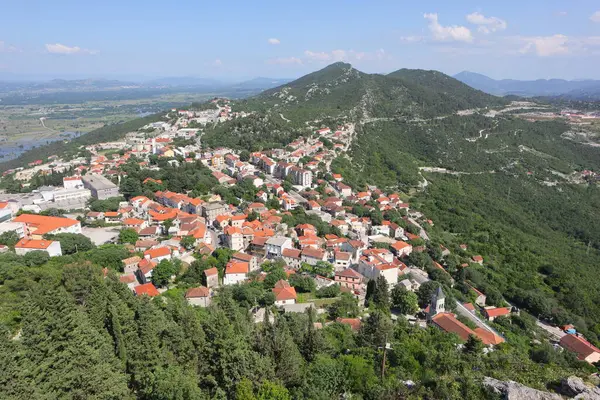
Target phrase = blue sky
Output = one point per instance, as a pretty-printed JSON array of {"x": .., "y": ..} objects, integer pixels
[{"x": 242, "y": 39}]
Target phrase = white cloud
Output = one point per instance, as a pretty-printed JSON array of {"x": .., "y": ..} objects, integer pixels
[
  {"x": 6, "y": 48},
  {"x": 217, "y": 62},
  {"x": 447, "y": 33},
  {"x": 486, "y": 24},
  {"x": 595, "y": 17},
  {"x": 274, "y": 41},
  {"x": 545, "y": 46},
  {"x": 58, "y": 48},
  {"x": 345, "y": 55},
  {"x": 317, "y": 56},
  {"x": 561, "y": 13},
  {"x": 338, "y": 55},
  {"x": 411, "y": 39},
  {"x": 285, "y": 61}
]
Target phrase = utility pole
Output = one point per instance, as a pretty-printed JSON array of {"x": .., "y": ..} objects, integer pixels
[
  {"x": 385, "y": 347},
  {"x": 587, "y": 252}
]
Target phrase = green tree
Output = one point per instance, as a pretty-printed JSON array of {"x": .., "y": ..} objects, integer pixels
[
  {"x": 9, "y": 238},
  {"x": 128, "y": 235},
  {"x": 162, "y": 273},
  {"x": 345, "y": 307},
  {"x": 188, "y": 242},
  {"x": 71, "y": 243},
  {"x": 323, "y": 268},
  {"x": 272, "y": 391},
  {"x": 302, "y": 284},
  {"x": 310, "y": 345},
  {"x": 130, "y": 187},
  {"x": 425, "y": 291},
  {"x": 167, "y": 225},
  {"x": 473, "y": 345},
  {"x": 404, "y": 301},
  {"x": 244, "y": 390},
  {"x": 328, "y": 292},
  {"x": 376, "y": 330},
  {"x": 274, "y": 276},
  {"x": 244, "y": 155},
  {"x": 35, "y": 258},
  {"x": 381, "y": 295},
  {"x": 252, "y": 216}
]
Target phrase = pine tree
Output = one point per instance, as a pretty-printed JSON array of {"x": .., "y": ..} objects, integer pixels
[
  {"x": 70, "y": 359},
  {"x": 381, "y": 295},
  {"x": 309, "y": 346}
]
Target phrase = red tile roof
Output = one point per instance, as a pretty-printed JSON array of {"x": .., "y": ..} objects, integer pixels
[
  {"x": 201, "y": 291},
  {"x": 158, "y": 252},
  {"x": 354, "y": 323},
  {"x": 133, "y": 221},
  {"x": 496, "y": 312},
  {"x": 313, "y": 253},
  {"x": 400, "y": 245},
  {"x": 449, "y": 323},
  {"x": 147, "y": 289},
  {"x": 348, "y": 273},
  {"x": 43, "y": 224},
  {"x": 33, "y": 244},
  {"x": 488, "y": 337},
  {"x": 284, "y": 292},
  {"x": 237, "y": 267},
  {"x": 578, "y": 345}
]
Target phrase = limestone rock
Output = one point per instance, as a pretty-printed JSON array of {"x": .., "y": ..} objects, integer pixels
[
  {"x": 515, "y": 391},
  {"x": 575, "y": 387}
]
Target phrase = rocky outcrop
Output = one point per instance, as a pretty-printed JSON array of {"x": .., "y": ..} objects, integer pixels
[
  {"x": 515, "y": 391},
  {"x": 575, "y": 387},
  {"x": 571, "y": 387}
]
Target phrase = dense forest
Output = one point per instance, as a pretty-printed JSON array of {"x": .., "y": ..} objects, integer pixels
[{"x": 70, "y": 332}]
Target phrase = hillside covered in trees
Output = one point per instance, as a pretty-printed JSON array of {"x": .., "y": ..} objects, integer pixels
[
  {"x": 71, "y": 331},
  {"x": 339, "y": 93}
]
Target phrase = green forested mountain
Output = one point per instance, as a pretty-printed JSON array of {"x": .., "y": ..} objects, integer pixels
[{"x": 341, "y": 93}]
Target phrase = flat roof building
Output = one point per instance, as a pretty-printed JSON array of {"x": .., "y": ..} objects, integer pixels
[{"x": 101, "y": 187}]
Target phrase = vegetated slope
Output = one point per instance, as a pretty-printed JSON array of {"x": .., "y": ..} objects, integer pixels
[
  {"x": 341, "y": 93},
  {"x": 447, "y": 89},
  {"x": 509, "y": 203}
]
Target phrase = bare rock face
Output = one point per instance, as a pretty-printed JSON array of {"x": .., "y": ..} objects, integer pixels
[
  {"x": 515, "y": 391},
  {"x": 576, "y": 388}
]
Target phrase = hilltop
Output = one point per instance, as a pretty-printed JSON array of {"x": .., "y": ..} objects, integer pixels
[{"x": 340, "y": 92}]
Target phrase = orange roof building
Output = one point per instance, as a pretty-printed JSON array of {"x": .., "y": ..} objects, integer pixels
[
  {"x": 39, "y": 225},
  {"x": 147, "y": 289},
  {"x": 158, "y": 253},
  {"x": 448, "y": 322},
  {"x": 236, "y": 272},
  {"x": 584, "y": 350},
  {"x": 284, "y": 293},
  {"x": 26, "y": 245}
]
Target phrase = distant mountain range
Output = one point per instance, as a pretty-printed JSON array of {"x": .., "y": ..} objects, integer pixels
[
  {"x": 259, "y": 83},
  {"x": 588, "y": 89},
  {"x": 80, "y": 90}
]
